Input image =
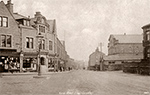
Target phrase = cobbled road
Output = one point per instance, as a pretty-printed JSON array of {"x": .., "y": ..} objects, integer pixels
[{"x": 80, "y": 82}]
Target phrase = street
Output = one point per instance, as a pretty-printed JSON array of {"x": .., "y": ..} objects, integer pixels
[{"x": 79, "y": 82}]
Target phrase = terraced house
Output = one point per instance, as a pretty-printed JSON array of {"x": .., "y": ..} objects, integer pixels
[{"x": 25, "y": 42}]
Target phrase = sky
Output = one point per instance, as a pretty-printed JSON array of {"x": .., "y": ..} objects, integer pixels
[{"x": 83, "y": 24}]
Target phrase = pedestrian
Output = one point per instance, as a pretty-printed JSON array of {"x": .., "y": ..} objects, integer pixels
[
  {"x": 11, "y": 67},
  {"x": 18, "y": 65}
]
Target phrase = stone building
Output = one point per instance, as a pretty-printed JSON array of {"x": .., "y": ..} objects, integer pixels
[
  {"x": 146, "y": 41},
  {"x": 20, "y": 42},
  {"x": 28, "y": 42},
  {"x": 9, "y": 37},
  {"x": 123, "y": 48},
  {"x": 96, "y": 61}
]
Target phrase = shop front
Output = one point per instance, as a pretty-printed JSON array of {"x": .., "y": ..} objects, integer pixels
[
  {"x": 30, "y": 62},
  {"x": 9, "y": 60},
  {"x": 51, "y": 64}
]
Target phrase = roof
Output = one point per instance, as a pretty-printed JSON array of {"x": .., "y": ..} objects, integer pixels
[
  {"x": 123, "y": 57},
  {"x": 135, "y": 38},
  {"x": 19, "y": 16},
  {"x": 146, "y": 26}
]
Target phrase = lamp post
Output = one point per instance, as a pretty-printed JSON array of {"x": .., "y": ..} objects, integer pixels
[{"x": 39, "y": 37}]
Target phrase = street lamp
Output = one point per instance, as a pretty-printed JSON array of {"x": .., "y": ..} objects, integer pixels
[{"x": 39, "y": 37}]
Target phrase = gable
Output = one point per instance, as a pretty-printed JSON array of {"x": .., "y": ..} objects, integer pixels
[
  {"x": 6, "y": 13},
  {"x": 12, "y": 28}
]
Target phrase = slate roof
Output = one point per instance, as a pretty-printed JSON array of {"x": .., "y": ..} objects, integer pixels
[
  {"x": 146, "y": 26},
  {"x": 129, "y": 38},
  {"x": 19, "y": 16}
]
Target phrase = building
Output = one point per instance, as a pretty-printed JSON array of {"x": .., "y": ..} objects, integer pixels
[
  {"x": 146, "y": 41},
  {"x": 9, "y": 38},
  {"x": 123, "y": 48},
  {"x": 29, "y": 42},
  {"x": 96, "y": 61}
]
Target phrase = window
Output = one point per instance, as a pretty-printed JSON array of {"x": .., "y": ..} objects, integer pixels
[
  {"x": 148, "y": 55},
  {"x": 26, "y": 23},
  {"x": 148, "y": 35},
  {"x": 148, "y": 50},
  {"x": 6, "y": 41},
  {"x": 3, "y": 37},
  {"x": 29, "y": 42},
  {"x": 50, "y": 45},
  {"x": 42, "y": 44},
  {"x": 41, "y": 28},
  {"x": 3, "y": 21},
  {"x": 0, "y": 21}
]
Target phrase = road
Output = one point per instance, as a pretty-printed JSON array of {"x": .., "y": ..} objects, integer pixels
[{"x": 79, "y": 82}]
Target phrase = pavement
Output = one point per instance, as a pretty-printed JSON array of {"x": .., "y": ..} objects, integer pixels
[
  {"x": 28, "y": 73},
  {"x": 77, "y": 82}
]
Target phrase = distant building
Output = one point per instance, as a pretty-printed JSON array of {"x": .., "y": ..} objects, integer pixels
[
  {"x": 146, "y": 41},
  {"x": 96, "y": 61},
  {"x": 123, "y": 48}
]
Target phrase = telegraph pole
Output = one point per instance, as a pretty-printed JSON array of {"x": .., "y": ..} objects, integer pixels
[
  {"x": 101, "y": 57},
  {"x": 100, "y": 45}
]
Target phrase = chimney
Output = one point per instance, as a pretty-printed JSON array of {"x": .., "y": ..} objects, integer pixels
[
  {"x": 9, "y": 5},
  {"x": 37, "y": 14}
]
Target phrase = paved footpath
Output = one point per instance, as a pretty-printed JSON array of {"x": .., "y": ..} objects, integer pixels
[{"x": 80, "y": 82}]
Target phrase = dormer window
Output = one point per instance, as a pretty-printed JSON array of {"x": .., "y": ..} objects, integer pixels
[{"x": 26, "y": 23}]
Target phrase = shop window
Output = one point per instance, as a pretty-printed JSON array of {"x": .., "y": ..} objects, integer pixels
[
  {"x": 148, "y": 55},
  {"x": 50, "y": 45},
  {"x": 148, "y": 50},
  {"x": 3, "y": 21},
  {"x": 27, "y": 63},
  {"x": 29, "y": 42},
  {"x": 6, "y": 40}
]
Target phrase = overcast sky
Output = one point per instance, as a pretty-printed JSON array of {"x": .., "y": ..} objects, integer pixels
[{"x": 85, "y": 23}]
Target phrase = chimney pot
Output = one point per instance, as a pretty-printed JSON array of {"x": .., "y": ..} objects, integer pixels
[
  {"x": 37, "y": 13},
  {"x": 9, "y": 5}
]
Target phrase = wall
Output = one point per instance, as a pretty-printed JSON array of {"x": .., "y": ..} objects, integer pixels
[{"x": 12, "y": 28}]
